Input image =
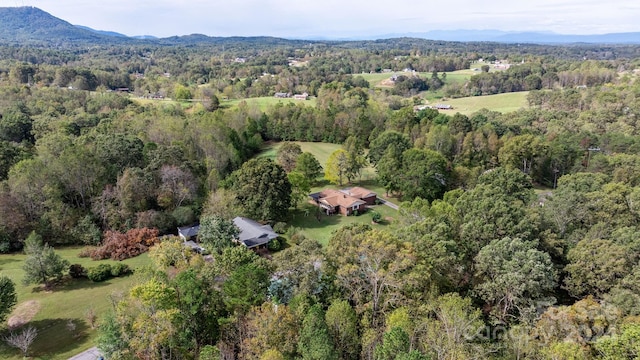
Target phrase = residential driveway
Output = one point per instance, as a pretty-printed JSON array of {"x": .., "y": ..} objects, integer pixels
[
  {"x": 389, "y": 204},
  {"x": 91, "y": 354}
]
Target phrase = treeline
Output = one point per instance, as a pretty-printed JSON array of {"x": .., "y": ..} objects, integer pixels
[
  {"x": 76, "y": 164},
  {"x": 489, "y": 272},
  {"x": 537, "y": 76},
  {"x": 480, "y": 265}
]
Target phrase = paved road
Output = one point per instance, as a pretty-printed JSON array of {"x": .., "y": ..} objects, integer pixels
[
  {"x": 389, "y": 204},
  {"x": 91, "y": 354}
]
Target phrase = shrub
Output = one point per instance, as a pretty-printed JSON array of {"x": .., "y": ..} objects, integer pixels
[
  {"x": 86, "y": 252},
  {"x": 280, "y": 227},
  {"x": 376, "y": 217},
  {"x": 275, "y": 244},
  {"x": 120, "y": 269},
  {"x": 77, "y": 271},
  {"x": 99, "y": 273},
  {"x": 355, "y": 213},
  {"x": 295, "y": 235}
]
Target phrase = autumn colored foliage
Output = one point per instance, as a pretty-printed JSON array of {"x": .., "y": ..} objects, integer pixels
[{"x": 120, "y": 246}]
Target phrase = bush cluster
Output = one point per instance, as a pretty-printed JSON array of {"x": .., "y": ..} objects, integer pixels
[
  {"x": 77, "y": 271},
  {"x": 276, "y": 244},
  {"x": 105, "y": 272}
]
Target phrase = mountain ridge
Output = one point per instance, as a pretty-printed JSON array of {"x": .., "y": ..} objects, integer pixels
[{"x": 29, "y": 24}]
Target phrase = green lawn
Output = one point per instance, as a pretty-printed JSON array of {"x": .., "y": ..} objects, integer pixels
[
  {"x": 321, "y": 151},
  {"x": 503, "y": 103},
  {"x": 305, "y": 216},
  {"x": 264, "y": 103},
  {"x": 67, "y": 302},
  {"x": 375, "y": 80},
  {"x": 319, "y": 227}
]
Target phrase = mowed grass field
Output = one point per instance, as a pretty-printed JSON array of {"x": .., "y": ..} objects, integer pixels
[
  {"x": 264, "y": 103},
  {"x": 503, "y": 103},
  {"x": 51, "y": 312},
  {"x": 377, "y": 79},
  {"x": 319, "y": 226}
]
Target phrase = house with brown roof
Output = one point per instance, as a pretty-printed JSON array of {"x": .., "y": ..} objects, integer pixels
[
  {"x": 345, "y": 202},
  {"x": 361, "y": 193}
]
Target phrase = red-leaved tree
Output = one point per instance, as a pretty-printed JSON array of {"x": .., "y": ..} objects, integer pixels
[{"x": 119, "y": 246}]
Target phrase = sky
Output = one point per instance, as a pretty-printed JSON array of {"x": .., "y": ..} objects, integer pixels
[{"x": 341, "y": 18}]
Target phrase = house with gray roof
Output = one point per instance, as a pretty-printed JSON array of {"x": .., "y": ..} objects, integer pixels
[
  {"x": 188, "y": 232},
  {"x": 253, "y": 234}
]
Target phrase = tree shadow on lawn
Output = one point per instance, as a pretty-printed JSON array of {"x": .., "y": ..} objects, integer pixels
[
  {"x": 55, "y": 336},
  {"x": 309, "y": 217},
  {"x": 6, "y": 261},
  {"x": 70, "y": 284}
]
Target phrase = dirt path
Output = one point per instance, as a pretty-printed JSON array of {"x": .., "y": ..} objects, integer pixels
[{"x": 23, "y": 313}]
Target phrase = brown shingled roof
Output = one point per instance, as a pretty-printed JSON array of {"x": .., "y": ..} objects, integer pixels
[
  {"x": 337, "y": 198},
  {"x": 359, "y": 192}
]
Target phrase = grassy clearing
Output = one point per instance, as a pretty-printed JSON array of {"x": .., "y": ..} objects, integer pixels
[
  {"x": 503, "y": 103},
  {"x": 67, "y": 302},
  {"x": 378, "y": 79},
  {"x": 264, "y": 103},
  {"x": 321, "y": 151},
  {"x": 320, "y": 228}
]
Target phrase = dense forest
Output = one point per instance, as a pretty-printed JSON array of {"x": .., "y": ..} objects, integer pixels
[{"x": 517, "y": 235}]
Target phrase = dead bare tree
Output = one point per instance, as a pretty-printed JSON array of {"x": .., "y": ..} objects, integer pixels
[{"x": 23, "y": 339}]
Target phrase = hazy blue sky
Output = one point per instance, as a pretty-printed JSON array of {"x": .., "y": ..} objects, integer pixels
[{"x": 341, "y": 18}]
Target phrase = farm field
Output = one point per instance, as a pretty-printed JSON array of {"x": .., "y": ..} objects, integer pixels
[
  {"x": 503, "y": 103},
  {"x": 51, "y": 311}
]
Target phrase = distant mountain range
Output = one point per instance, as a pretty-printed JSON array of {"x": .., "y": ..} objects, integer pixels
[
  {"x": 25, "y": 25},
  {"x": 521, "y": 37}
]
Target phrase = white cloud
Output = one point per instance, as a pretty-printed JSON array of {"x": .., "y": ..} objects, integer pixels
[{"x": 340, "y": 17}]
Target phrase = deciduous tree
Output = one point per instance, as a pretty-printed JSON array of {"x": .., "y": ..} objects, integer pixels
[
  {"x": 217, "y": 233},
  {"x": 384, "y": 141},
  {"x": 513, "y": 275},
  {"x": 287, "y": 155},
  {"x": 23, "y": 339},
  {"x": 423, "y": 174},
  {"x": 337, "y": 167},
  {"x": 596, "y": 266},
  {"x": 371, "y": 265},
  {"x": 300, "y": 187},
  {"x": 262, "y": 188}
]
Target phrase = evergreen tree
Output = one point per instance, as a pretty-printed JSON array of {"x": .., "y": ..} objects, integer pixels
[{"x": 42, "y": 265}]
